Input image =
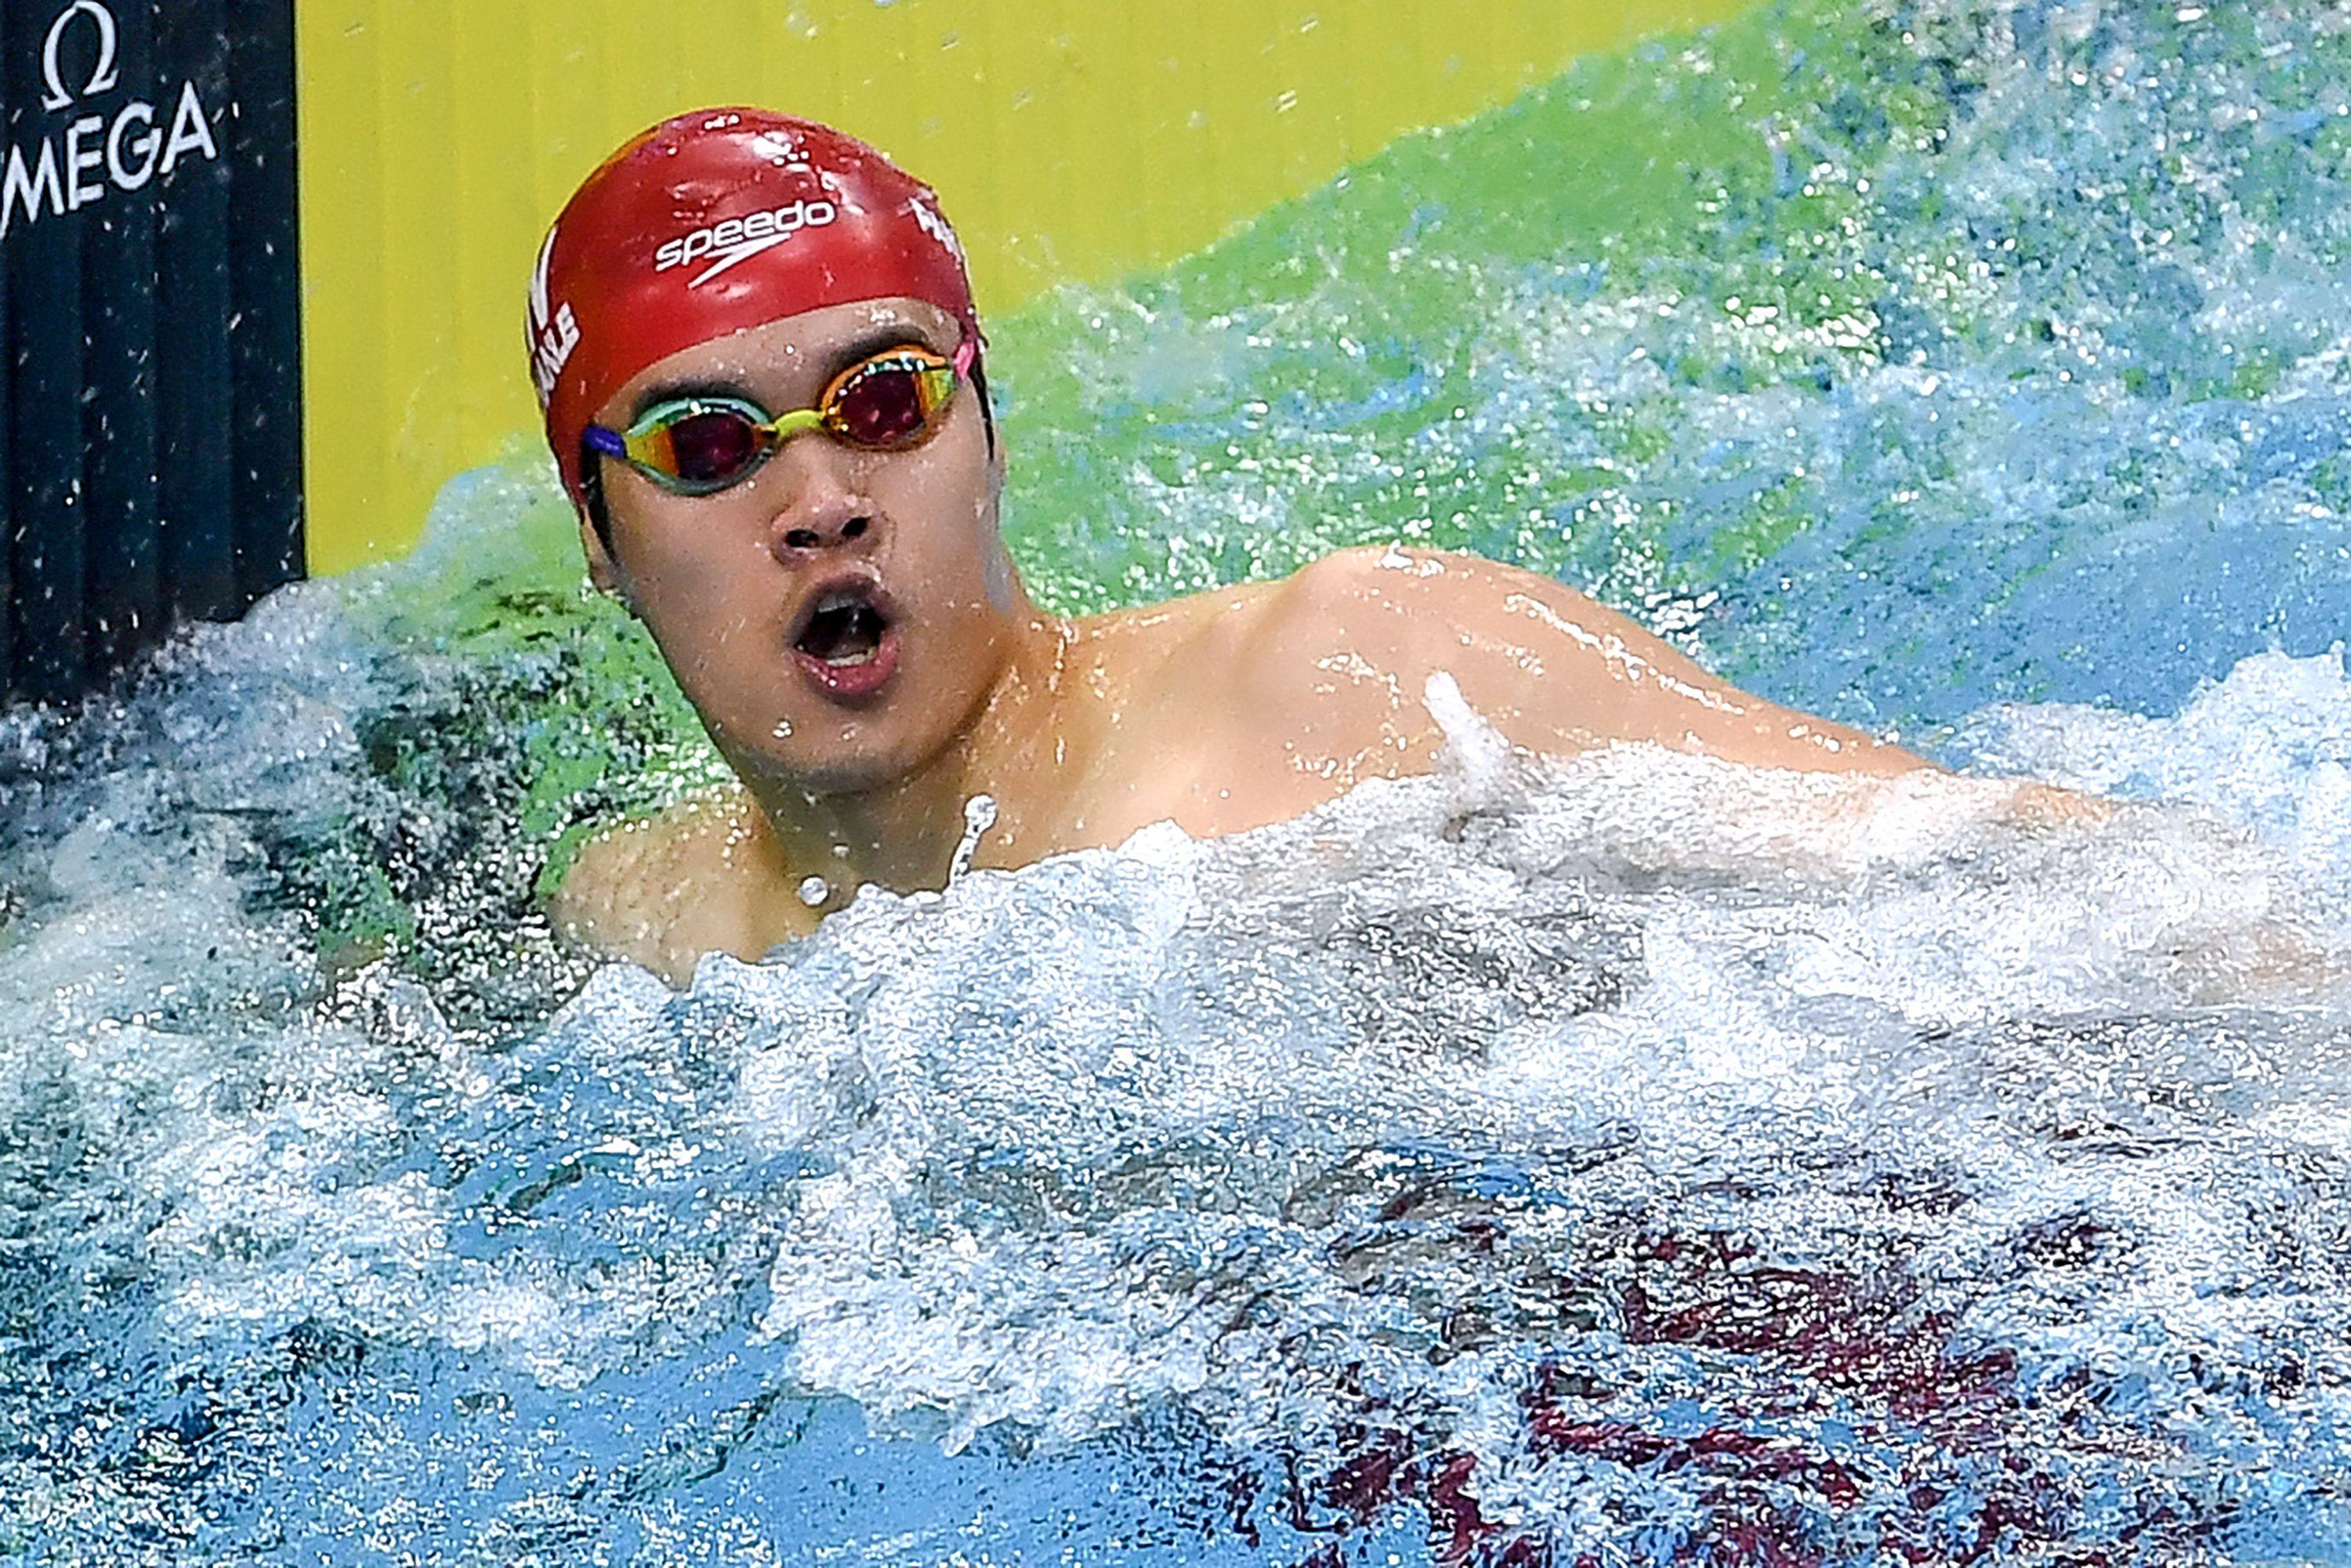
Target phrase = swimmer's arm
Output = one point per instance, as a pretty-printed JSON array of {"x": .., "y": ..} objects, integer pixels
[
  {"x": 610, "y": 902},
  {"x": 662, "y": 891},
  {"x": 1556, "y": 673}
]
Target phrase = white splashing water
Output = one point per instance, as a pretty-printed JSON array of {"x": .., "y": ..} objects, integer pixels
[
  {"x": 1859, "y": 1138},
  {"x": 1636, "y": 1154}
]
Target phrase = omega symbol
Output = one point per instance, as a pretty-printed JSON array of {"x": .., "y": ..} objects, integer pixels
[{"x": 101, "y": 77}]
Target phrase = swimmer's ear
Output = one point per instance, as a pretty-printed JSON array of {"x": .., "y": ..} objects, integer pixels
[
  {"x": 602, "y": 571},
  {"x": 995, "y": 444},
  {"x": 596, "y": 525}
]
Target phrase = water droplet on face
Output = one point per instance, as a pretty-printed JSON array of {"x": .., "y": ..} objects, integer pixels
[
  {"x": 783, "y": 730},
  {"x": 814, "y": 891}
]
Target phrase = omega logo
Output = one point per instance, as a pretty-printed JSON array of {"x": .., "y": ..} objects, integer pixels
[
  {"x": 101, "y": 77},
  {"x": 94, "y": 155}
]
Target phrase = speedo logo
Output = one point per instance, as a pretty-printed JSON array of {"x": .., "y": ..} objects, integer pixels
[{"x": 739, "y": 239}]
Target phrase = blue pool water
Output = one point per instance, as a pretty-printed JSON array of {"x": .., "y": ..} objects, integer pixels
[{"x": 1622, "y": 1160}]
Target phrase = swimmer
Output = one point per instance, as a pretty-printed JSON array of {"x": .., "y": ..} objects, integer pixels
[{"x": 763, "y": 378}]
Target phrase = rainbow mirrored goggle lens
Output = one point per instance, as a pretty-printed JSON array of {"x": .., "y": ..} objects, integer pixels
[{"x": 700, "y": 446}]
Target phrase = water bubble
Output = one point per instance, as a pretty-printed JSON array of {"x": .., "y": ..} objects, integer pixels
[
  {"x": 814, "y": 891},
  {"x": 978, "y": 816}
]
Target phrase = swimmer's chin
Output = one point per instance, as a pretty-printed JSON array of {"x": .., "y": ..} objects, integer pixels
[{"x": 792, "y": 780}]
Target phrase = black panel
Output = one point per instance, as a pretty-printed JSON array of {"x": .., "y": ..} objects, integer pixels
[
  {"x": 124, "y": 587},
  {"x": 192, "y": 335},
  {"x": 264, "y": 275},
  {"x": 47, "y": 509},
  {"x": 150, "y": 405}
]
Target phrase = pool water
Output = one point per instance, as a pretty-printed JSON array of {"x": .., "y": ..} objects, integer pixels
[{"x": 1621, "y": 1160}]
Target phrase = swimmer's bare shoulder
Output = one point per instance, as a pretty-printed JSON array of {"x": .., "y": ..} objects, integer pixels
[
  {"x": 702, "y": 876},
  {"x": 1555, "y": 672}
]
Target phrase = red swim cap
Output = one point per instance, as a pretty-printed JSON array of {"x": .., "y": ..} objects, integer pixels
[{"x": 712, "y": 223}]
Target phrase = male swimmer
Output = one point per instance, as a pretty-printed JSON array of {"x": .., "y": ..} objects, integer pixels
[{"x": 761, "y": 370}]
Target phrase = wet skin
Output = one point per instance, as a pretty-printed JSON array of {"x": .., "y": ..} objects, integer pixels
[{"x": 1222, "y": 711}]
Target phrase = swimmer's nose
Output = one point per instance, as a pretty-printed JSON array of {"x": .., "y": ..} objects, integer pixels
[
  {"x": 818, "y": 514},
  {"x": 818, "y": 534}
]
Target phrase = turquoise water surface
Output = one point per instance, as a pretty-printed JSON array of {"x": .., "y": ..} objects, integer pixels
[{"x": 1619, "y": 1161}]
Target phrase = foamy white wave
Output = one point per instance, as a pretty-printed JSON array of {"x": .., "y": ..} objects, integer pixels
[
  {"x": 2267, "y": 750},
  {"x": 1071, "y": 1123},
  {"x": 2256, "y": 745},
  {"x": 1370, "y": 1116}
]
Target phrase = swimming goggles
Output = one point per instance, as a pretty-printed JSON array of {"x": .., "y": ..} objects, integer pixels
[{"x": 700, "y": 446}]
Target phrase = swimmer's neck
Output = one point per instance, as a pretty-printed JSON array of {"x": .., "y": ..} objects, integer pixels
[{"x": 904, "y": 834}]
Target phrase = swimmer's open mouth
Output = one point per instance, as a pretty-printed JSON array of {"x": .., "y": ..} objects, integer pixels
[
  {"x": 846, "y": 640},
  {"x": 844, "y": 630}
]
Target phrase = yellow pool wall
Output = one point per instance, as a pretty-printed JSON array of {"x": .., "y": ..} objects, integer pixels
[{"x": 1069, "y": 140}]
